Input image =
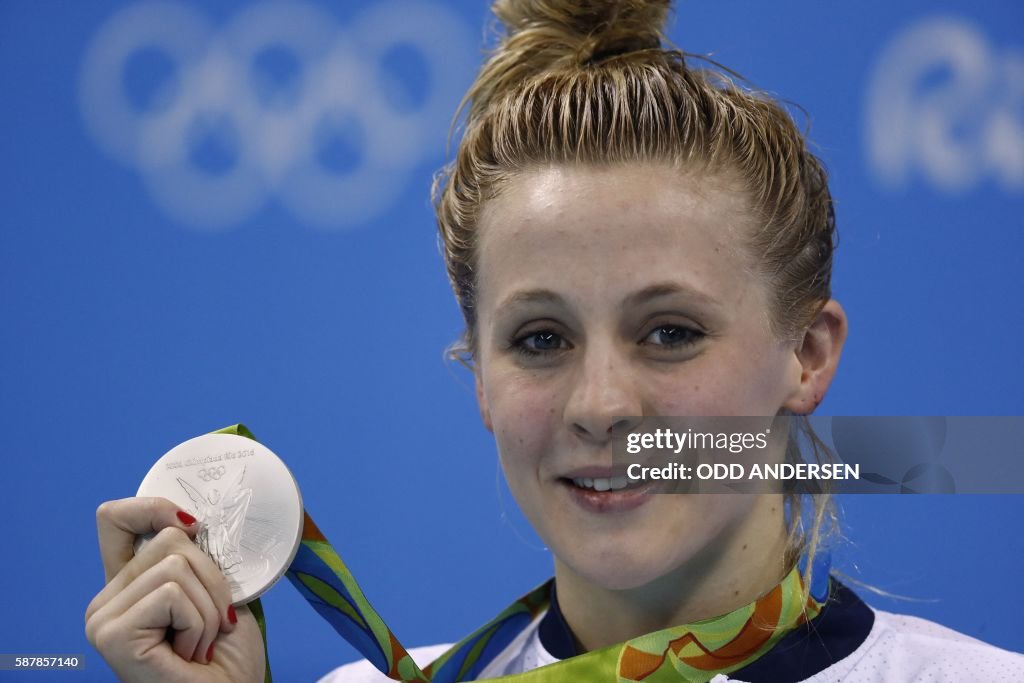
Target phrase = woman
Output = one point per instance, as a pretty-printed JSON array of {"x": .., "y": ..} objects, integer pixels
[{"x": 626, "y": 237}]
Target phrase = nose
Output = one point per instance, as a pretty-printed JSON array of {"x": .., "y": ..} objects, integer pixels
[{"x": 604, "y": 396}]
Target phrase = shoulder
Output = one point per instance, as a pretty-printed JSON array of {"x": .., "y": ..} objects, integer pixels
[
  {"x": 364, "y": 672},
  {"x": 906, "y": 648}
]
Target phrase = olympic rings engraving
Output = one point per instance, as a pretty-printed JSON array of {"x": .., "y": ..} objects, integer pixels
[{"x": 211, "y": 473}]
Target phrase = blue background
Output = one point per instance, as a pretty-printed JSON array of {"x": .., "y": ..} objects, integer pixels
[{"x": 128, "y": 327}]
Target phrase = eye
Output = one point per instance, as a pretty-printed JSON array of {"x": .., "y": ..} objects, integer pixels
[
  {"x": 673, "y": 336},
  {"x": 539, "y": 343}
]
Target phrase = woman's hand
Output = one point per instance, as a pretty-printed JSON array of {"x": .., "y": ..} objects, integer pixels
[{"x": 170, "y": 584}]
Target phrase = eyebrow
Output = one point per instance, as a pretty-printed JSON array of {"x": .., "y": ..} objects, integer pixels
[
  {"x": 663, "y": 289},
  {"x": 645, "y": 295}
]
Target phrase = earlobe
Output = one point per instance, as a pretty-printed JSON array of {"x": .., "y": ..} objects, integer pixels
[
  {"x": 818, "y": 355},
  {"x": 481, "y": 400}
]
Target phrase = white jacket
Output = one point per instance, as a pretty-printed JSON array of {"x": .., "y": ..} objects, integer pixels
[{"x": 898, "y": 648}]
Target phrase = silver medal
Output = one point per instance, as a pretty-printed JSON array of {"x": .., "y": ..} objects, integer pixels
[{"x": 245, "y": 501}]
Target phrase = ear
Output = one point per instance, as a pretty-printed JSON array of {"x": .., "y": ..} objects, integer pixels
[
  {"x": 818, "y": 355},
  {"x": 481, "y": 399}
]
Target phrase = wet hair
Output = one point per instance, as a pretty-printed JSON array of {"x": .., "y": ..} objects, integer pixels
[{"x": 597, "y": 82}]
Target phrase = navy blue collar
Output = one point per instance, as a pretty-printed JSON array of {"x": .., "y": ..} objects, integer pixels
[
  {"x": 555, "y": 635},
  {"x": 840, "y": 628}
]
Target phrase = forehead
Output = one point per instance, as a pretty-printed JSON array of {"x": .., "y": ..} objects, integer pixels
[{"x": 591, "y": 228}]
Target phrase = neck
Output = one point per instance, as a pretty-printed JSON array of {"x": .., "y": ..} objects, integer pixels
[{"x": 744, "y": 565}]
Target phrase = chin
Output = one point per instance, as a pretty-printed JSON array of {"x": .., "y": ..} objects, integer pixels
[{"x": 621, "y": 566}]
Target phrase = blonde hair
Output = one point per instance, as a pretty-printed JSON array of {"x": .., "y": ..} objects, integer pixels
[{"x": 596, "y": 82}]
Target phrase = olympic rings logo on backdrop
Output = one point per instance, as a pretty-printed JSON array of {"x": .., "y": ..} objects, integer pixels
[
  {"x": 274, "y": 139},
  {"x": 956, "y": 130}
]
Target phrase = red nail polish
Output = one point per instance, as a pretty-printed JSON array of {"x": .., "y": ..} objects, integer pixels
[
  {"x": 186, "y": 519},
  {"x": 232, "y": 617},
  {"x": 209, "y": 654}
]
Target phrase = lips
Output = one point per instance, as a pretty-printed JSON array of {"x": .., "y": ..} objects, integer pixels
[
  {"x": 603, "y": 483},
  {"x": 606, "y": 490},
  {"x": 597, "y": 472}
]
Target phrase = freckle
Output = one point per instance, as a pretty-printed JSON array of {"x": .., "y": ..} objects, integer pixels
[
  {"x": 773, "y": 508},
  {"x": 744, "y": 546},
  {"x": 735, "y": 593},
  {"x": 696, "y": 387}
]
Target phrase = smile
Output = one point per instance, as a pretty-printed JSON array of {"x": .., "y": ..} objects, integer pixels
[
  {"x": 605, "y": 495},
  {"x": 605, "y": 483}
]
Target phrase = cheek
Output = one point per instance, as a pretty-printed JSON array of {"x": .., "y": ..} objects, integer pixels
[
  {"x": 524, "y": 416},
  {"x": 729, "y": 382}
]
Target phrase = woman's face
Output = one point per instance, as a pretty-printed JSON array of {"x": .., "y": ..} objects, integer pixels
[{"x": 609, "y": 292}]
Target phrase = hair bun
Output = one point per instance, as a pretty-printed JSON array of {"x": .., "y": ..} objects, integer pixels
[{"x": 595, "y": 29}]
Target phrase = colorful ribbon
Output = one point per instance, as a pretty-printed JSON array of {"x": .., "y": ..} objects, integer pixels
[{"x": 693, "y": 652}]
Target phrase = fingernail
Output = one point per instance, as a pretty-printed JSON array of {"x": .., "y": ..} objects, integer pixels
[
  {"x": 209, "y": 654},
  {"x": 232, "y": 617},
  {"x": 186, "y": 519}
]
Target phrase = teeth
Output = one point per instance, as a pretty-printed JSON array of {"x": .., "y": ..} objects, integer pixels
[{"x": 602, "y": 483}]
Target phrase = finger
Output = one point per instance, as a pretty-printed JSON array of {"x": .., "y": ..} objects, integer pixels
[
  {"x": 173, "y": 568},
  {"x": 168, "y": 541},
  {"x": 118, "y": 522},
  {"x": 143, "y": 627},
  {"x": 172, "y": 541},
  {"x": 169, "y": 606}
]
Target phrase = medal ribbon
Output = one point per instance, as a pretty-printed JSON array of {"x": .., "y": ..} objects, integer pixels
[{"x": 691, "y": 653}]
